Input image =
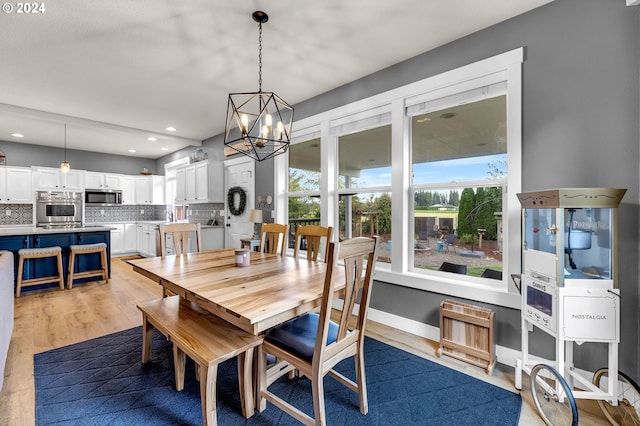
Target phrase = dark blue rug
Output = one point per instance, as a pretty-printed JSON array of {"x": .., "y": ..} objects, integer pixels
[{"x": 102, "y": 382}]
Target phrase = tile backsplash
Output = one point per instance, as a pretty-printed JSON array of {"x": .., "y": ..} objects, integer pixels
[
  {"x": 22, "y": 214},
  {"x": 19, "y": 214},
  {"x": 128, "y": 213},
  {"x": 125, "y": 213}
]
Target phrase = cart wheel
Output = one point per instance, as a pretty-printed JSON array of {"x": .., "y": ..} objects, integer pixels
[
  {"x": 555, "y": 406},
  {"x": 627, "y": 411}
]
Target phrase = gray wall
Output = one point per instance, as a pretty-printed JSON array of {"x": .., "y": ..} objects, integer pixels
[
  {"x": 580, "y": 129},
  {"x": 27, "y": 155}
]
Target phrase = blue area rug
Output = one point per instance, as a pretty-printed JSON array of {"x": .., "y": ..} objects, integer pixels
[{"x": 102, "y": 382}]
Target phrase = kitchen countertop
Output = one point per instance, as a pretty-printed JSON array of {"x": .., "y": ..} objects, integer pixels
[
  {"x": 33, "y": 230},
  {"x": 156, "y": 222}
]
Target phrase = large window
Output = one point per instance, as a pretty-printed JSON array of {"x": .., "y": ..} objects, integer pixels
[
  {"x": 433, "y": 168},
  {"x": 456, "y": 212},
  {"x": 364, "y": 184}
]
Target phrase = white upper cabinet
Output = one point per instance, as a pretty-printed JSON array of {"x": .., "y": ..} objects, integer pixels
[
  {"x": 149, "y": 190},
  {"x": 128, "y": 189},
  {"x": 201, "y": 182},
  {"x": 15, "y": 185},
  {"x": 52, "y": 179},
  {"x": 93, "y": 180}
]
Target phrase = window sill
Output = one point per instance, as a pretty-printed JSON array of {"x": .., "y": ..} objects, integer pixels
[{"x": 499, "y": 295}]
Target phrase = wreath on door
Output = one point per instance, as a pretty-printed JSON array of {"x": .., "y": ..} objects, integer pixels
[{"x": 231, "y": 200}]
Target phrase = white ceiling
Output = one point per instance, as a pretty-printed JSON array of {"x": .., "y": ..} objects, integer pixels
[{"x": 119, "y": 71}]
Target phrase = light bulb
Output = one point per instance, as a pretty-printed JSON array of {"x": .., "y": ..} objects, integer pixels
[
  {"x": 65, "y": 167},
  {"x": 244, "y": 119}
]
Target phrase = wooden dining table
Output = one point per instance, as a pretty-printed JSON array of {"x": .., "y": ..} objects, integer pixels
[{"x": 268, "y": 292}]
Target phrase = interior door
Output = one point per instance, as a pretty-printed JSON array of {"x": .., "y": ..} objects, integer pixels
[{"x": 239, "y": 172}]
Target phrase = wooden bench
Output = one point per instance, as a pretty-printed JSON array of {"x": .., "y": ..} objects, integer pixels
[{"x": 206, "y": 339}]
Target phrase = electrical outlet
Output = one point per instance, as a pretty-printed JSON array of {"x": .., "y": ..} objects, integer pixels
[
  {"x": 7, "y": 212},
  {"x": 102, "y": 212},
  {"x": 221, "y": 213},
  {"x": 141, "y": 211}
]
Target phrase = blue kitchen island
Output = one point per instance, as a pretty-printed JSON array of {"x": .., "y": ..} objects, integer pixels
[{"x": 18, "y": 237}]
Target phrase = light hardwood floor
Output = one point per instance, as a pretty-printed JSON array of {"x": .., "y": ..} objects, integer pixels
[{"x": 53, "y": 318}]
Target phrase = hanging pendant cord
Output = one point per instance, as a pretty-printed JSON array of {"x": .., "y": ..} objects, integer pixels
[{"x": 65, "y": 143}]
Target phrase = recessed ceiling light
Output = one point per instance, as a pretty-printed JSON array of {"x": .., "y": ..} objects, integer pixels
[
  {"x": 164, "y": 149},
  {"x": 423, "y": 120},
  {"x": 17, "y": 135},
  {"x": 448, "y": 115},
  {"x": 132, "y": 150},
  {"x": 151, "y": 139},
  {"x": 171, "y": 129}
]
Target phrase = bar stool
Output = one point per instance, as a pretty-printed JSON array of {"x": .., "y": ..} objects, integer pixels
[
  {"x": 39, "y": 253},
  {"x": 77, "y": 250}
]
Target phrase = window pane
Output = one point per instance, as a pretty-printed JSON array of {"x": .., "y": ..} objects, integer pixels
[
  {"x": 460, "y": 227},
  {"x": 462, "y": 143},
  {"x": 304, "y": 166},
  {"x": 367, "y": 214},
  {"x": 302, "y": 211},
  {"x": 365, "y": 158}
]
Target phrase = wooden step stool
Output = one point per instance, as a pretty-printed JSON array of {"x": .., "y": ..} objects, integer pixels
[
  {"x": 77, "y": 250},
  {"x": 208, "y": 340},
  {"x": 39, "y": 253}
]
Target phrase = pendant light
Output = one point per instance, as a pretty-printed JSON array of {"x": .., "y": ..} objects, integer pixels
[
  {"x": 258, "y": 123},
  {"x": 65, "y": 166}
]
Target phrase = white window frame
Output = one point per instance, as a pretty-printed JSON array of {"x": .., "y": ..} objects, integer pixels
[{"x": 508, "y": 64}]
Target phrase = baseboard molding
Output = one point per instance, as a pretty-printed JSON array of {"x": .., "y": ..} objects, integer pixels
[{"x": 504, "y": 355}]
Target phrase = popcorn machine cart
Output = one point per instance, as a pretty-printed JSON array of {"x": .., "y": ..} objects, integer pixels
[{"x": 569, "y": 287}]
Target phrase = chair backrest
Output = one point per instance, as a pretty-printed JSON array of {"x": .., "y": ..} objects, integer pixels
[
  {"x": 450, "y": 238},
  {"x": 453, "y": 267},
  {"x": 180, "y": 233},
  {"x": 358, "y": 255},
  {"x": 313, "y": 235},
  {"x": 270, "y": 235}
]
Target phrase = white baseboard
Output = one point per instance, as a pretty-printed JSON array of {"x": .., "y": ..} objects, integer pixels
[{"x": 506, "y": 356}]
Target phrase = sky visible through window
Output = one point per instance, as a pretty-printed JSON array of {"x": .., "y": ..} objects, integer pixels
[{"x": 458, "y": 170}]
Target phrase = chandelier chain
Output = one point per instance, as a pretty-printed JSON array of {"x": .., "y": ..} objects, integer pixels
[{"x": 260, "y": 57}]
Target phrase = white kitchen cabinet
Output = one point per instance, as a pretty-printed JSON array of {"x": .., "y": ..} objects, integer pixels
[
  {"x": 149, "y": 190},
  {"x": 212, "y": 238},
  {"x": 15, "y": 185},
  {"x": 200, "y": 182},
  {"x": 181, "y": 185},
  {"x": 52, "y": 179},
  {"x": 128, "y": 188},
  {"x": 117, "y": 238},
  {"x": 146, "y": 239},
  {"x": 130, "y": 245},
  {"x": 95, "y": 180}
]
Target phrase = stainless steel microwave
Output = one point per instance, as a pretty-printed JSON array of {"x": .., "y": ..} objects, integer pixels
[{"x": 102, "y": 197}]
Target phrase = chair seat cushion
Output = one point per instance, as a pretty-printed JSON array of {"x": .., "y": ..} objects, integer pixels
[
  {"x": 83, "y": 247},
  {"x": 298, "y": 335},
  {"x": 39, "y": 250}
]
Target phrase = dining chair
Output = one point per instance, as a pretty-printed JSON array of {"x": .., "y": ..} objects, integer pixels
[
  {"x": 270, "y": 235},
  {"x": 313, "y": 344},
  {"x": 449, "y": 243},
  {"x": 492, "y": 273},
  {"x": 453, "y": 267},
  {"x": 180, "y": 232},
  {"x": 312, "y": 235}
]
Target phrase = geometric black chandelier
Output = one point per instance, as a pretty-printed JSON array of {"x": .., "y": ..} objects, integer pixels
[{"x": 258, "y": 123}]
